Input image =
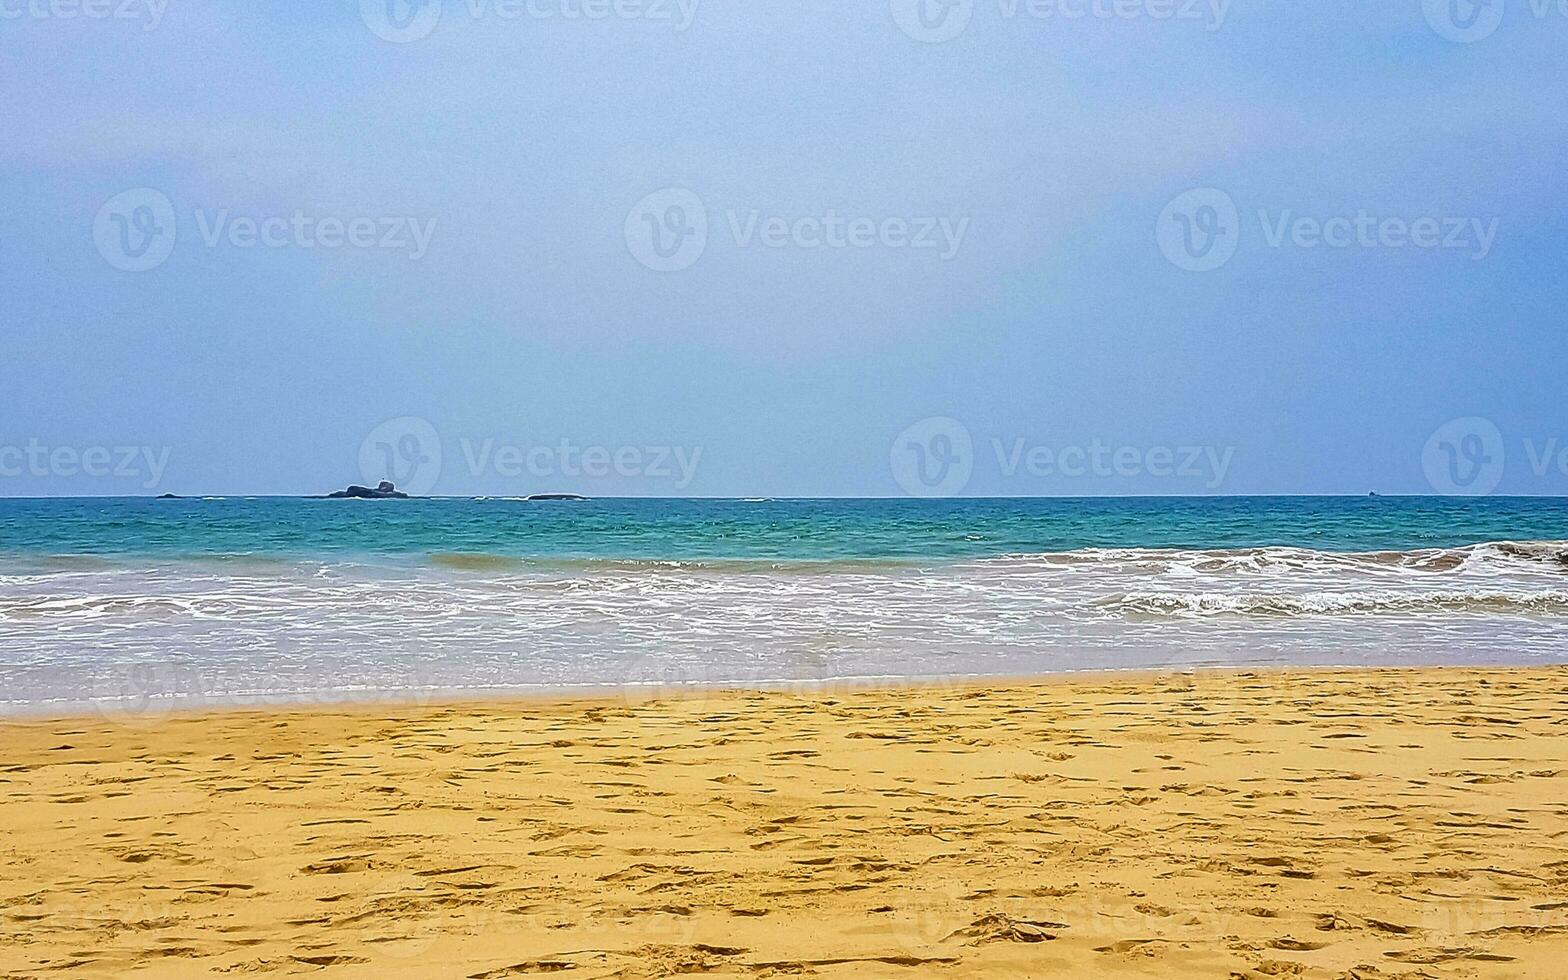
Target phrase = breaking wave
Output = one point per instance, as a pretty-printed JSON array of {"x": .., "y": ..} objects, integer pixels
[
  {"x": 1494, "y": 555},
  {"x": 1335, "y": 603},
  {"x": 466, "y": 620}
]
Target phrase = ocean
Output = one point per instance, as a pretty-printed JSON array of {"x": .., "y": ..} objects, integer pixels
[{"x": 138, "y": 605}]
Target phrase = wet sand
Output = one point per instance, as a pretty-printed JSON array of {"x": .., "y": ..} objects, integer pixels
[{"x": 1313, "y": 824}]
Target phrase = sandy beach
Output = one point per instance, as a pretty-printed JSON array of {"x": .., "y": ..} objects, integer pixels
[{"x": 1314, "y": 824}]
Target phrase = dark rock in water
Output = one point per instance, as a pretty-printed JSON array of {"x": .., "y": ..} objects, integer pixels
[
  {"x": 383, "y": 491},
  {"x": 170, "y": 496},
  {"x": 556, "y": 496}
]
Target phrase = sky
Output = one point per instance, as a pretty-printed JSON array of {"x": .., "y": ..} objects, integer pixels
[{"x": 650, "y": 247}]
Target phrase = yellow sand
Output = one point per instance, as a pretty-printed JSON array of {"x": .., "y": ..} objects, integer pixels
[{"x": 1327, "y": 824}]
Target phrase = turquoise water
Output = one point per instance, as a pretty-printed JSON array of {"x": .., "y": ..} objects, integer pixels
[
  {"x": 134, "y": 606},
  {"x": 818, "y": 530}
]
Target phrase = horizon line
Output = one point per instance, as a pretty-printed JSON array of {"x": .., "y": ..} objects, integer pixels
[{"x": 764, "y": 498}]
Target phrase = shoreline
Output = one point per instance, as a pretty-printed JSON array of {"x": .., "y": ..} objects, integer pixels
[
  {"x": 1250, "y": 822},
  {"x": 590, "y": 693}
]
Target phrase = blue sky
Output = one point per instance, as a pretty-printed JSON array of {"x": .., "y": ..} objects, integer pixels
[{"x": 1013, "y": 265}]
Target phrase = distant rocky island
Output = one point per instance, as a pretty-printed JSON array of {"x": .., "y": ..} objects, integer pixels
[
  {"x": 385, "y": 490},
  {"x": 382, "y": 491}
]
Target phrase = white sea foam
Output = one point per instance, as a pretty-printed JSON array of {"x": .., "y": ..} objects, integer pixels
[{"x": 206, "y": 630}]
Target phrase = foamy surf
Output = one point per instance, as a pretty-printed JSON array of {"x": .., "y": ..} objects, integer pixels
[
  {"x": 216, "y": 630},
  {"x": 211, "y": 601}
]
